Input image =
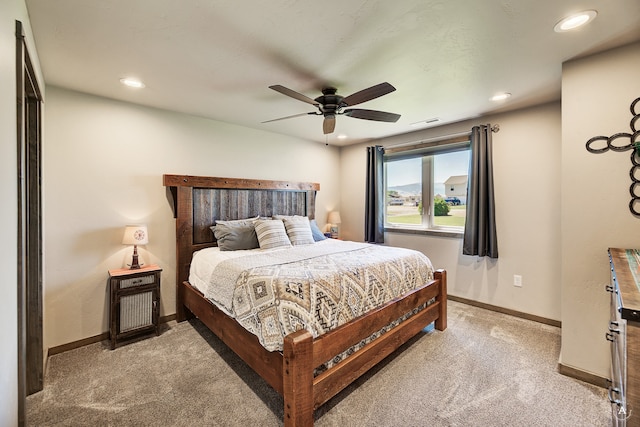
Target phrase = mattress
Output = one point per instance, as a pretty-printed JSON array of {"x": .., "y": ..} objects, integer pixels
[{"x": 318, "y": 287}]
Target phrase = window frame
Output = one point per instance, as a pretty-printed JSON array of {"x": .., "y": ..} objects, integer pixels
[{"x": 427, "y": 151}]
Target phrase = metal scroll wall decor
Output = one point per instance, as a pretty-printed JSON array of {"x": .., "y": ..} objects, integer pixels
[{"x": 618, "y": 142}]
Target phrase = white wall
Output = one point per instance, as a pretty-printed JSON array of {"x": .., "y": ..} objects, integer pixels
[
  {"x": 104, "y": 162},
  {"x": 10, "y": 11},
  {"x": 596, "y": 94},
  {"x": 527, "y": 172}
]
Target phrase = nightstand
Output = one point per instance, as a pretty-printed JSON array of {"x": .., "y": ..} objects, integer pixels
[{"x": 135, "y": 302}]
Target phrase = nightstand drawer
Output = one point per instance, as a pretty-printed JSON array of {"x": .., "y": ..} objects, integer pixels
[{"x": 137, "y": 281}]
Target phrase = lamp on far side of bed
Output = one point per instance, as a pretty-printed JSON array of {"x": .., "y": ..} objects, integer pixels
[
  {"x": 135, "y": 235},
  {"x": 334, "y": 219}
]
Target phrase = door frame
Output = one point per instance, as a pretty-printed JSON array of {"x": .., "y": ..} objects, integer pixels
[{"x": 29, "y": 227}]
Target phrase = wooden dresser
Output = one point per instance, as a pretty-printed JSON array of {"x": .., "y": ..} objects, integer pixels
[{"x": 624, "y": 335}]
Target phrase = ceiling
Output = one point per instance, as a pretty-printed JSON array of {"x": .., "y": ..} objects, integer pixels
[{"x": 217, "y": 58}]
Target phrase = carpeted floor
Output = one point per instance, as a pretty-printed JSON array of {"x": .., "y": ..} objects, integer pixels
[{"x": 486, "y": 369}]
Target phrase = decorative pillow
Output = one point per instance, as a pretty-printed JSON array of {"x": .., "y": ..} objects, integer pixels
[
  {"x": 241, "y": 222},
  {"x": 298, "y": 230},
  {"x": 271, "y": 233},
  {"x": 315, "y": 231},
  {"x": 235, "y": 237}
]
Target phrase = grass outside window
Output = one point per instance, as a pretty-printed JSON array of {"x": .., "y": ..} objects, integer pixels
[{"x": 455, "y": 218}]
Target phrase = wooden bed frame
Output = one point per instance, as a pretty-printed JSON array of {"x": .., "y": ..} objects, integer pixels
[{"x": 197, "y": 202}]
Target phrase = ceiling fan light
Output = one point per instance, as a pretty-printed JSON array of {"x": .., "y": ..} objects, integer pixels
[{"x": 574, "y": 21}]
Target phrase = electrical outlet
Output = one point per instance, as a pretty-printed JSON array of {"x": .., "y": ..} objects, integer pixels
[{"x": 517, "y": 280}]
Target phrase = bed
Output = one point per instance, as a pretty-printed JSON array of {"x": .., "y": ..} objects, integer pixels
[{"x": 298, "y": 369}]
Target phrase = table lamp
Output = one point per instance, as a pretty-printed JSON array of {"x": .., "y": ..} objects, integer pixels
[
  {"x": 334, "y": 219},
  {"x": 135, "y": 235}
]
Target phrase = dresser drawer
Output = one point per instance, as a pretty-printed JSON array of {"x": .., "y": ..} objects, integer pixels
[{"x": 616, "y": 337}]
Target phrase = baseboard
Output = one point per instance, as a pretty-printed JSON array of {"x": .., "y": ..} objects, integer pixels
[
  {"x": 167, "y": 319},
  {"x": 583, "y": 376},
  {"x": 508, "y": 311},
  {"x": 94, "y": 339}
]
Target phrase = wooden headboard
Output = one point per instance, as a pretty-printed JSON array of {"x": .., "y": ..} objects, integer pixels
[{"x": 197, "y": 201}]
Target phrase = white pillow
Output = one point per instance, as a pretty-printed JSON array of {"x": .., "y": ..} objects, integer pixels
[
  {"x": 271, "y": 233},
  {"x": 298, "y": 230}
]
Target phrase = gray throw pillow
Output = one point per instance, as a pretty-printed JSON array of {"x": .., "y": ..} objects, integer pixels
[{"x": 236, "y": 237}]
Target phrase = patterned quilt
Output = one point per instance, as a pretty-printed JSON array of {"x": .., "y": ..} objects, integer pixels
[{"x": 316, "y": 287}]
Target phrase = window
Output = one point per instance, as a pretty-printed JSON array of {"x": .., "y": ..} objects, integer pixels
[{"x": 426, "y": 188}]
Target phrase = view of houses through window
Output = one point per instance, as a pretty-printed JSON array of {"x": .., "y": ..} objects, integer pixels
[{"x": 439, "y": 179}]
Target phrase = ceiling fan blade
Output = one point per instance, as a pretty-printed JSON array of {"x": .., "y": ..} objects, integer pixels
[
  {"x": 368, "y": 94},
  {"x": 293, "y": 94},
  {"x": 379, "y": 116},
  {"x": 329, "y": 124},
  {"x": 289, "y": 117}
]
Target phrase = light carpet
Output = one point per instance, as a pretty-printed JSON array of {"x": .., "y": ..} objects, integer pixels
[{"x": 486, "y": 369}]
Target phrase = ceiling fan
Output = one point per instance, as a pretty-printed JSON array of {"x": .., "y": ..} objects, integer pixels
[{"x": 331, "y": 104}]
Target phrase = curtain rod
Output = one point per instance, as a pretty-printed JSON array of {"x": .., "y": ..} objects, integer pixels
[{"x": 442, "y": 138}]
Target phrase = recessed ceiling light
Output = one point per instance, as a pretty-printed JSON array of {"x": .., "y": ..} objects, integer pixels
[
  {"x": 130, "y": 82},
  {"x": 574, "y": 21},
  {"x": 500, "y": 96},
  {"x": 342, "y": 136}
]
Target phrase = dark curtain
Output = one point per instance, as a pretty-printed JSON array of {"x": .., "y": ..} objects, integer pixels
[
  {"x": 480, "y": 228},
  {"x": 374, "y": 202}
]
